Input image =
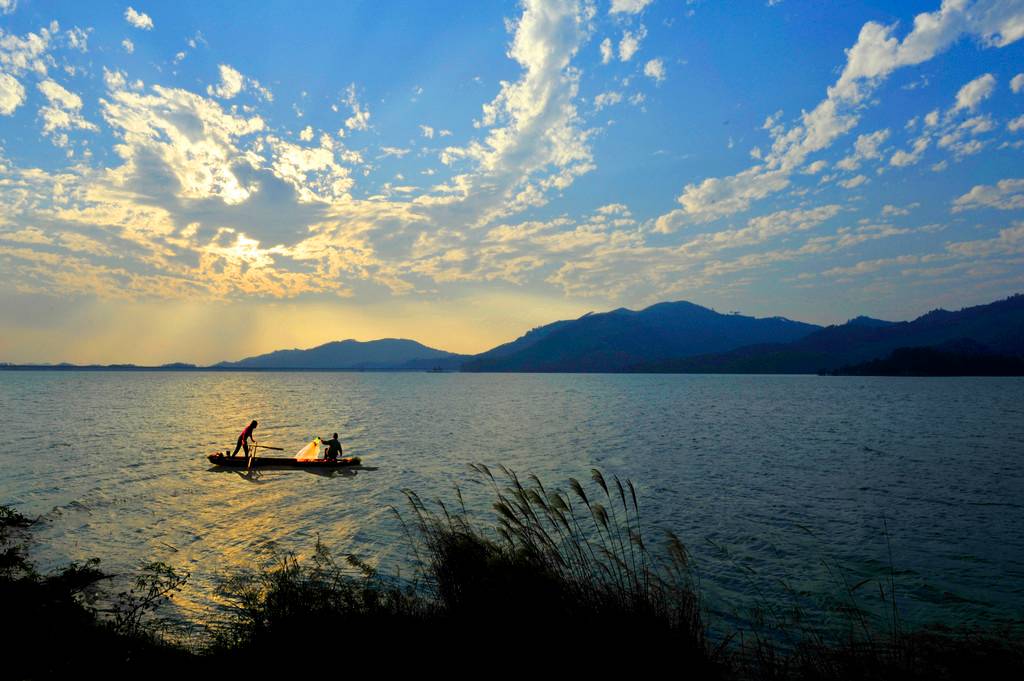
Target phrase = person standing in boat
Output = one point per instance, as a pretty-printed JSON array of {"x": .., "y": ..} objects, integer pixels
[
  {"x": 333, "y": 447},
  {"x": 246, "y": 435}
]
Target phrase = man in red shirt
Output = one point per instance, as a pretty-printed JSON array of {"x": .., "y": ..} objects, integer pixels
[{"x": 246, "y": 435}]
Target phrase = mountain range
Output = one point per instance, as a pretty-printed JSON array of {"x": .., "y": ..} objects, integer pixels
[
  {"x": 681, "y": 337},
  {"x": 622, "y": 340},
  {"x": 387, "y": 353},
  {"x": 996, "y": 328}
]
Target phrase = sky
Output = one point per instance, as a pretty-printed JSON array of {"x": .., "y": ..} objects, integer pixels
[{"x": 186, "y": 181}]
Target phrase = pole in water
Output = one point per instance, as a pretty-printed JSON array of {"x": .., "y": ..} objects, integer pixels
[{"x": 252, "y": 455}]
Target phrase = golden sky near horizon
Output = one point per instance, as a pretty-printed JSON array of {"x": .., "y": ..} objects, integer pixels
[{"x": 204, "y": 333}]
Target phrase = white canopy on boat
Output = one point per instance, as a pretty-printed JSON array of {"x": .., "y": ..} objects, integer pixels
[{"x": 311, "y": 451}]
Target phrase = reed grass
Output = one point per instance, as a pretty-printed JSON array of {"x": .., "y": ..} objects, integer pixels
[{"x": 558, "y": 562}]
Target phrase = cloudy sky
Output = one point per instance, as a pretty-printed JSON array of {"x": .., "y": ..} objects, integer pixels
[{"x": 200, "y": 181}]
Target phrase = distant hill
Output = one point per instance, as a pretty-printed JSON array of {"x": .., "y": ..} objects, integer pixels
[
  {"x": 65, "y": 366},
  {"x": 869, "y": 322},
  {"x": 387, "y": 353},
  {"x": 997, "y": 326},
  {"x": 621, "y": 339}
]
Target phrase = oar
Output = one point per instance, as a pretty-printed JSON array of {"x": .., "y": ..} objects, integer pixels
[{"x": 280, "y": 449}]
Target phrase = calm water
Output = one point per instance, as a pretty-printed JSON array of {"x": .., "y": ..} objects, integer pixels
[{"x": 780, "y": 473}]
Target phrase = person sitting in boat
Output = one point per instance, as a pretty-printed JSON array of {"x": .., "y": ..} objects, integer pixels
[
  {"x": 333, "y": 447},
  {"x": 242, "y": 439}
]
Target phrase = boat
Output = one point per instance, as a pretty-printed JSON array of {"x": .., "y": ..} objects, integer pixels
[{"x": 219, "y": 459}]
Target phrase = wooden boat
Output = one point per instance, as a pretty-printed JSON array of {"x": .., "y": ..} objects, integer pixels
[{"x": 219, "y": 459}]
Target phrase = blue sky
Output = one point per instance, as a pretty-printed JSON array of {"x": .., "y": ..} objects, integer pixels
[{"x": 199, "y": 181}]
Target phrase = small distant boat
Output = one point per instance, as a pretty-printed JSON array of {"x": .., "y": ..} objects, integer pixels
[{"x": 219, "y": 459}]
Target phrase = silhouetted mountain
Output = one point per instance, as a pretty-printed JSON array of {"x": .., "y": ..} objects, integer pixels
[
  {"x": 621, "y": 339},
  {"x": 998, "y": 326},
  {"x": 868, "y": 321},
  {"x": 531, "y": 337},
  {"x": 387, "y": 353}
]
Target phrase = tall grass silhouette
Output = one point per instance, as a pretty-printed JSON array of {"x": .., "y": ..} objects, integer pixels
[{"x": 557, "y": 556}]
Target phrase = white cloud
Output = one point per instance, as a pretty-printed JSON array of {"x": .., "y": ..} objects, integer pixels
[
  {"x": 63, "y": 111},
  {"x": 1017, "y": 84},
  {"x": 974, "y": 92},
  {"x": 1009, "y": 242},
  {"x": 78, "y": 39},
  {"x": 232, "y": 82},
  {"x": 815, "y": 168},
  {"x": 854, "y": 182},
  {"x": 870, "y": 266},
  {"x": 427, "y": 131},
  {"x": 954, "y": 141},
  {"x": 118, "y": 80},
  {"x": 314, "y": 172},
  {"x": 613, "y": 209},
  {"x": 397, "y": 152},
  {"x": 866, "y": 147},
  {"x": 138, "y": 19},
  {"x": 12, "y": 94},
  {"x": 903, "y": 158},
  {"x": 306, "y": 135},
  {"x": 533, "y": 145},
  {"x": 655, "y": 69},
  {"x": 950, "y": 134},
  {"x": 889, "y": 210},
  {"x": 978, "y": 125},
  {"x": 1004, "y": 195},
  {"x": 607, "y": 51},
  {"x": 59, "y": 96},
  {"x": 8, "y": 6},
  {"x": 159, "y": 131},
  {"x": 607, "y": 99},
  {"x": 27, "y": 53},
  {"x": 128, "y": 45},
  {"x": 630, "y": 43},
  {"x": 628, "y": 6},
  {"x": 28, "y": 235},
  {"x": 1016, "y": 124},
  {"x": 360, "y": 118}
]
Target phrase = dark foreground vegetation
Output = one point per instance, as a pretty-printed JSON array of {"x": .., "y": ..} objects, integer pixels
[
  {"x": 954, "y": 361},
  {"x": 564, "y": 579}
]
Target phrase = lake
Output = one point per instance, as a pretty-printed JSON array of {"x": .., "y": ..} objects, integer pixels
[{"x": 767, "y": 479}]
